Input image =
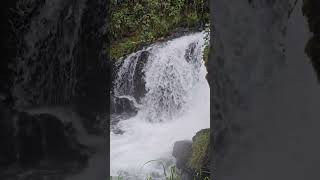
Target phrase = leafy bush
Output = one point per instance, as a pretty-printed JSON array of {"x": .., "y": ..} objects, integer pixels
[{"x": 136, "y": 22}]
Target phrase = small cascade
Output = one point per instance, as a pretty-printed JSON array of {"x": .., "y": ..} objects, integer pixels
[{"x": 166, "y": 84}]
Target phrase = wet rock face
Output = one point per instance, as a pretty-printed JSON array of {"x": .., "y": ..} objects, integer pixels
[
  {"x": 248, "y": 48},
  {"x": 46, "y": 58},
  {"x": 122, "y": 105},
  {"x": 182, "y": 151},
  {"x": 7, "y": 51},
  {"x": 311, "y": 12},
  {"x": 139, "y": 82},
  {"x": 7, "y": 154},
  {"x": 57, "y": 53},
  {"x": 131, "y": 83},
  {"x": 27, "y": 139},
  {"x": 58, "y": 139},
  {"x": 190, "y": 53}
]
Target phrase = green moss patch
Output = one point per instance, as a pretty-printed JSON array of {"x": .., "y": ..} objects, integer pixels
[{"x": 199, "y": 149}]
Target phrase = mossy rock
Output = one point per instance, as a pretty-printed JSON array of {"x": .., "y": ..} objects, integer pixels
[
  {"x": 200, "y": 150},
  {"x": 206, "y": 55}
]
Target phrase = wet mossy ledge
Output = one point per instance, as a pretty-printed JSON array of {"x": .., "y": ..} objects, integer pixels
[
  {"x": 136, "y": 24},
  {"x": 200, "y": 147},
  {"x": 193, "y": 157}
]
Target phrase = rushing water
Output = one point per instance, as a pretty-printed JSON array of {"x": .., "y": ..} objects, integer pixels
[{"x": 174, "y": 106}]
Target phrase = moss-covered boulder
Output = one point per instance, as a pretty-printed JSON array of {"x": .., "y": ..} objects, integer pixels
[
  {"x": 200, "y": 151},
  {"x": 193, "y": 157}
]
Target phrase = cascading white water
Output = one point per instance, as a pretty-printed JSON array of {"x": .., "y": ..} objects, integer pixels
[{"x": 175, "y": 106}]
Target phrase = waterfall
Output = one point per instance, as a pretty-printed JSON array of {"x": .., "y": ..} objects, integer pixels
[{"x": 166, "y": 83}]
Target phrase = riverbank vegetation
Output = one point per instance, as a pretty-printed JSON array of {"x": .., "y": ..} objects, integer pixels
[{"x": 136, "y": 23}]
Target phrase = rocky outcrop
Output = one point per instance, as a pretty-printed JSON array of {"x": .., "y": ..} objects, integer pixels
[
  {"x": 311, "y": 11},
  {"x": 193, "y": 157},
  {"x": 182, "y": 151},
  {"x": 7, "y": 154},
  {"x": 244, "y": 57},
  {"x": 40, "y": 141},
  {"x": 121, "y": 105},
  {"x": 129, "y": 86},
  {"x": 31, "y": 138},
  {"x": 56, "y": 54},
  {"x": 262, "y": 89},
  {"x": 139, "y": 82}
]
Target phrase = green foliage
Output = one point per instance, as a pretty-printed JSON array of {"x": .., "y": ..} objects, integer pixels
[
  {"x": 206, "y": 54},
  {"x": 173, "y": 174},
  {"x": 136, "y": 22},
  {"x": 126, "y": 46},
  {"x": 116, "y": 178},
  {"x": 206, "y": 46},
  {"x": 199, "y": 150}
]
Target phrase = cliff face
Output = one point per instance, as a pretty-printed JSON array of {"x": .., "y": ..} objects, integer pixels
[
  {"x": 249, "y": 46},
  {"x": 262, "y": 91},
  {"x": 54, "y": 53},
  {"x": 311, "y": 12},
  {"x": 58, "y": 53}
]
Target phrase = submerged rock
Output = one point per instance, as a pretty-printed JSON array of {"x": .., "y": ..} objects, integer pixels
[{"x": 189, "y": 56}]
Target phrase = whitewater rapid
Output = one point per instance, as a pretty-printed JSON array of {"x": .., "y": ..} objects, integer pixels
[{"x": 175, "y": 106}]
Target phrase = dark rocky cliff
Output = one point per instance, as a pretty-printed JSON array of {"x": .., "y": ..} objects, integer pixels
[
  {"x": 264, "y": 91},
  {"x": 57, "y": 53},
  {"x": 54, "y": 54},
  {"x": 311, "y": 11}
]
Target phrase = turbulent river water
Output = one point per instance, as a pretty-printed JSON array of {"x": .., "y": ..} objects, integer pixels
[{"x": 174, "y": 105}]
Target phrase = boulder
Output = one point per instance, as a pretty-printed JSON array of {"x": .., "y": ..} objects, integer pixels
[
  {"x": 193, "y": 157},
  {"x": 139, "y": 82},
  {"x": 200, "y": 159},
  {"x": 7, "y": 154},
  {"x": 59, "y": 140},
  {"x": 189, "y": 56},
  {"x": 182, "y": 151},
  {"x": 122, "y": 105},
  {"x": 29, "y": 139}
]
